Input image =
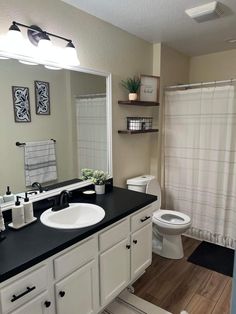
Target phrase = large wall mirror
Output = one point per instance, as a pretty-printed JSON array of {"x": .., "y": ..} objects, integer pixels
[{"x": 79, "y": 121}]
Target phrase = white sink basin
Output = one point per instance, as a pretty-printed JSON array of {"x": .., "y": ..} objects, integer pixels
[{"x": 77, "y": 215}]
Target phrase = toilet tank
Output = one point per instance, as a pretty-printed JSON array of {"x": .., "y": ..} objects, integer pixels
[{"x": 139, "y": 184}]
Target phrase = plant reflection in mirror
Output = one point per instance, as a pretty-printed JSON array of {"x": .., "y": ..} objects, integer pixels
[{"x": 86, "y": 174}]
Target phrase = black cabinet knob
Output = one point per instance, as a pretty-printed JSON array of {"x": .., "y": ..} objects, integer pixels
[
  {"x": 128, "y": 246},
  {"x": 62, "y": 294},
  {"x": 135, "y": 241},
  {"x": 47, "y": 303}
]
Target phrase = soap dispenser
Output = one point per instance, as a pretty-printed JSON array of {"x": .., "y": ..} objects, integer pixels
[
  {"x": 1, "y": 200},
  {"x": 8, "y": 197},
  {"x": 18, "y": 214},
  {"x": 2, "y": 226},
  {"x": 28, "y": 209}
]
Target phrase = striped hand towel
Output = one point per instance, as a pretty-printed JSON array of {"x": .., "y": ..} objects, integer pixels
[{"x": 40, "y": 162}]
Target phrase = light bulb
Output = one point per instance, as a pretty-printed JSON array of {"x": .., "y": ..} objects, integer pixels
[
  {"x": 70, "y": 55},
  {"x": 51, "y": 67},
  {"x": 28, "y": 62},
  {"x": 14, "y": 33},
  {"x": 45, "y": 44},
  {"x": 45, "y": 47},
  {"x": 31, "y": 54},
  {"x": 15, "y": 41}
]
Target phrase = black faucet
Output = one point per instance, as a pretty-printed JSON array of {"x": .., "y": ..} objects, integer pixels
[
  {"x": 38, "y": 186},
  {"x": 63, "y": 201}
]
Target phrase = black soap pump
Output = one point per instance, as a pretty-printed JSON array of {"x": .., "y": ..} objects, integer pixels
[
  {"x": 18, "y": 214},
  {"x": 8, "y": 197}
]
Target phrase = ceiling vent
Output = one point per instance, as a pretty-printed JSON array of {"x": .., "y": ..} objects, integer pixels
[{"x": 206, "y": 12}]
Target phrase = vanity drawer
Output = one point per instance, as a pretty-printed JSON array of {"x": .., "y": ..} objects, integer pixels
[
  {"x": 142, "y": 218},
  {"x": 24, "y": 289},
  {"x": 72, "y": 260},
  {"x": 114, "y": 235}
]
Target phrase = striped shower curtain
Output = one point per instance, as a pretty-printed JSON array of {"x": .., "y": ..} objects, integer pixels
[{"x": 200, "y": 160}]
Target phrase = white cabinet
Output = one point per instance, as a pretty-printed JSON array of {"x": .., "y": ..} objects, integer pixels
[
  {"x": 87, "y": 276},
  {"x": 126, "y": 260},
  {"x": 141, "y": 252},
  {"x": 78, "y": 292},
  {"x": 39, "y": 305},
  {"x": 114, "y": 271}
]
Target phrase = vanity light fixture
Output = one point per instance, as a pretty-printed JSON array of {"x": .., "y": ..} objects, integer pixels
[{"x": 39, "y": 47}]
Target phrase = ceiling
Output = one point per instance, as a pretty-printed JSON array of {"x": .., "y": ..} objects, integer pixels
[{"x": 165, "y": 21}]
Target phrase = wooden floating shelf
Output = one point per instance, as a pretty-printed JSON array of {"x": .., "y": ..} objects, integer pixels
[
  {"x": 138, "y": 103},
  {"x": 137, "y": 131}
]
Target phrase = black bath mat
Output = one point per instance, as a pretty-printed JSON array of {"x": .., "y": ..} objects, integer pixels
[{"x": 214, "y": 257}]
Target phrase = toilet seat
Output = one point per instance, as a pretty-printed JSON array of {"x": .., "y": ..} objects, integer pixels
[{"x": 171, "y": 217}]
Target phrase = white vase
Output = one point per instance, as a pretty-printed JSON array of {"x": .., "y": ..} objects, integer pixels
[
  {"x": 133, "y": 96},
  {"x": 100, "y": 189}
]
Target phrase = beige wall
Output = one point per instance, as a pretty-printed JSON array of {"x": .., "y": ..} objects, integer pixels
[
  {"x": 156, "y": 67},
  {"x": 85, "y": 84},
  {"x": 156, "y": 71},
  {"x": 174, "y": 69},
  {"x": 213, "y": 67},
  {"x": 103, "y": 47}
]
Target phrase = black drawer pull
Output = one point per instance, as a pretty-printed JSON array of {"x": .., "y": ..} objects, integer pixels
[
  {"x": 62, "y": 294},
  {"x": 47, "y": 303},
  {"x": 145, "y": 218},
  {"x": 128, "y": 246},
  {"x": 135, "y": 241},
  {"x": 16, "y": 297}
]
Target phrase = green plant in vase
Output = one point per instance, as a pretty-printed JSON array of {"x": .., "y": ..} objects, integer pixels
[
  {"x": 99, "y": 179},
  {"x": 132, "y": 84}
]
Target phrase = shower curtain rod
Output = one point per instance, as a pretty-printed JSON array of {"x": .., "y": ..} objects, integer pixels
[
  {"x": 201, "y": 84},
  {"x": 91, "y": 96}
]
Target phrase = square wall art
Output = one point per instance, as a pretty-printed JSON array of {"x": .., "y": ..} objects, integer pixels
[
  {"x": 42, "y": 97},
  {"x": 21, "y": 104}
]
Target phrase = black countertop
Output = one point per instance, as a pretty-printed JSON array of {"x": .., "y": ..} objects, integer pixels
[{"x": 32, "y": 244}]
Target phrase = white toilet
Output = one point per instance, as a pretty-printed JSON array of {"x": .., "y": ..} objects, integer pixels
[{"x": 168, "y": 225}]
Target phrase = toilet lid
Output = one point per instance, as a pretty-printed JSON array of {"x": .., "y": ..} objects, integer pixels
[{"x": 171, "y": 217}]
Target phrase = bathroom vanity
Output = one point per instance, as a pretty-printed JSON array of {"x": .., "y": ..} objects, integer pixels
[{"x": 46, "y": 270}]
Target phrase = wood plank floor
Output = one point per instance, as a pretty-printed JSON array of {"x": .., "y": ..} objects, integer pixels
[{"x": 177, "y": 285}]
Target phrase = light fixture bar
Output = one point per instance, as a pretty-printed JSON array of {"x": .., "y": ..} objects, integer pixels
[{"x": 39, "y": 30}]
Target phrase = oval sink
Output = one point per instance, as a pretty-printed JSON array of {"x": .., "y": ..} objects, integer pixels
[{"x": 77, "y": 215}]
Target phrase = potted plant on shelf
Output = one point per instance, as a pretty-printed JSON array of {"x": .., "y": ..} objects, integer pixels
[
  {"x": 99, "y": 178},
  {"x": 132, "y": 84}
]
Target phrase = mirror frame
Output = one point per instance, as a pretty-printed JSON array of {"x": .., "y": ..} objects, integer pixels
[{"x": 80, "y": 69}]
